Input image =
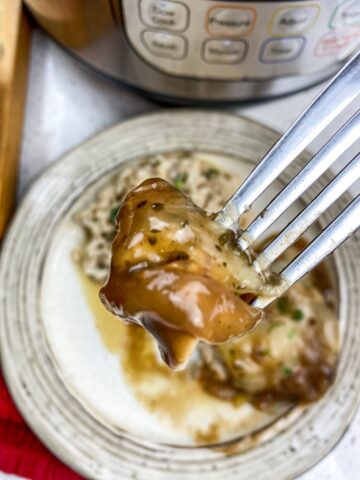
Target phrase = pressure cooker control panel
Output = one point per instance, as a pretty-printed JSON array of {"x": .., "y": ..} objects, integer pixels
[{"x": 222, "y": 40}]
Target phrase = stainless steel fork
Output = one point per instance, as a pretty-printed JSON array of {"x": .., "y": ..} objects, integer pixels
[{"x": 333, "y": 99}]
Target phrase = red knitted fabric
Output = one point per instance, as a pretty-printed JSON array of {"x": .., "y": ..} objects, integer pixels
[{"x": 21, "y": 453}]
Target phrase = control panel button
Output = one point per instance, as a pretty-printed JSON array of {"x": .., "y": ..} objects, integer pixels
[
  {"x": 346, "y": 15},
  {"x": 224, "y": 51},
  {"x": 334, "y": 42},
  {"x": 164, "y": 14},
  {"x": 230, "y": 21},
  {"x": 280, "y": 50},
  {"x": 294, "y": 20},
  {"x": 164, "y": 44}
]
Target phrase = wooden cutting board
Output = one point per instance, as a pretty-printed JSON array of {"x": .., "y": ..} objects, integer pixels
[{"x": 14, "y": 56}]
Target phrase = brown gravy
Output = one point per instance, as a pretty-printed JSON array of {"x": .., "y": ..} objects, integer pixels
[
  {"x": 177, "y": 393},
  {"x": 176, "y": 272}
]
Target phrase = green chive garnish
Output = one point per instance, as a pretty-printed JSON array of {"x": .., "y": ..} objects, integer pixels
[
  {"x": 283, "y": 305},
  {"x": 297, "y": 315},
  {"x": 113, "y": 214},
  {"x": 287, "y": 371},
  {"x": 179, "y": 180},
  {"x": 210, "y": 173},
  {"x": 292, "y": 333}
]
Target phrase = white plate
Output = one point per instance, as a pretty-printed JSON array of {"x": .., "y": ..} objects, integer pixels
[{"x": 70, "y": 387}]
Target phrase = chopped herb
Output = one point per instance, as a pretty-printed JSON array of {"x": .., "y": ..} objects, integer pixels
[
  {"x": 155, "y": 230},
  {"x": 287, "y": 371},
  {"x": 263, "y": 352},
  {"x": 218, "y": 248},
  {"x": 152, "y": 240},
  {"x": 184, "y": 223},
  {"x": 183, "y": 154},
  {"x": 224, "y": 264},
  {"x": 180, "y": 180},
  {"x": 292, "y": 333},
  {"x": 141, "y": 204},
  {"x": 283, "y": 305},
  {"x": 297, "y": 315},
  {"x": 210, "y": 173},
  {"x": 157, "y": 206},
  {"x": 113, "y": 214}
]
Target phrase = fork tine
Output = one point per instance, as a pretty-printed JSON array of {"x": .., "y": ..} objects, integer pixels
[
  {"x": 338, "y": 144},
  {"x": 329, "y": 240},
  {"x": 312, "y": 212},
  {"x": 332, "y": 237},
  {"x": 333, "y": 99}
]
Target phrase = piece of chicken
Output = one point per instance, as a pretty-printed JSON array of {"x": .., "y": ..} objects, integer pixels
[
  {"x": 291, "y": 356},
  {"x": 176, "y": 272}
]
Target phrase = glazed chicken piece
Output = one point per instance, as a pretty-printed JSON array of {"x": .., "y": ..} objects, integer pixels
[{"x": 176, "y": 272}]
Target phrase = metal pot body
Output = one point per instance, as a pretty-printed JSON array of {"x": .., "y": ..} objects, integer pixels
[{"x": 206, "y": 50}]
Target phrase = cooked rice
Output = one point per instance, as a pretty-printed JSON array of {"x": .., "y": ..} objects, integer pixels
[{"x": 196, "y": 174}]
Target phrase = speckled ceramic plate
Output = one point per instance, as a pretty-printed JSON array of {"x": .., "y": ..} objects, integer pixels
[{"x": 70, "y": 387}]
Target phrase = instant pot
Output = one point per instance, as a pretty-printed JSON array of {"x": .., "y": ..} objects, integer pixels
[{"x": 206, "y": 50}]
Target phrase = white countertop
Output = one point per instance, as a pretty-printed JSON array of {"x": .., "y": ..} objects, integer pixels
[{"x": 67, "y": 103}]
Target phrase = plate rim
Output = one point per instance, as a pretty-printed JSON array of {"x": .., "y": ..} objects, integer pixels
[{"x": 9, "y": 375}]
